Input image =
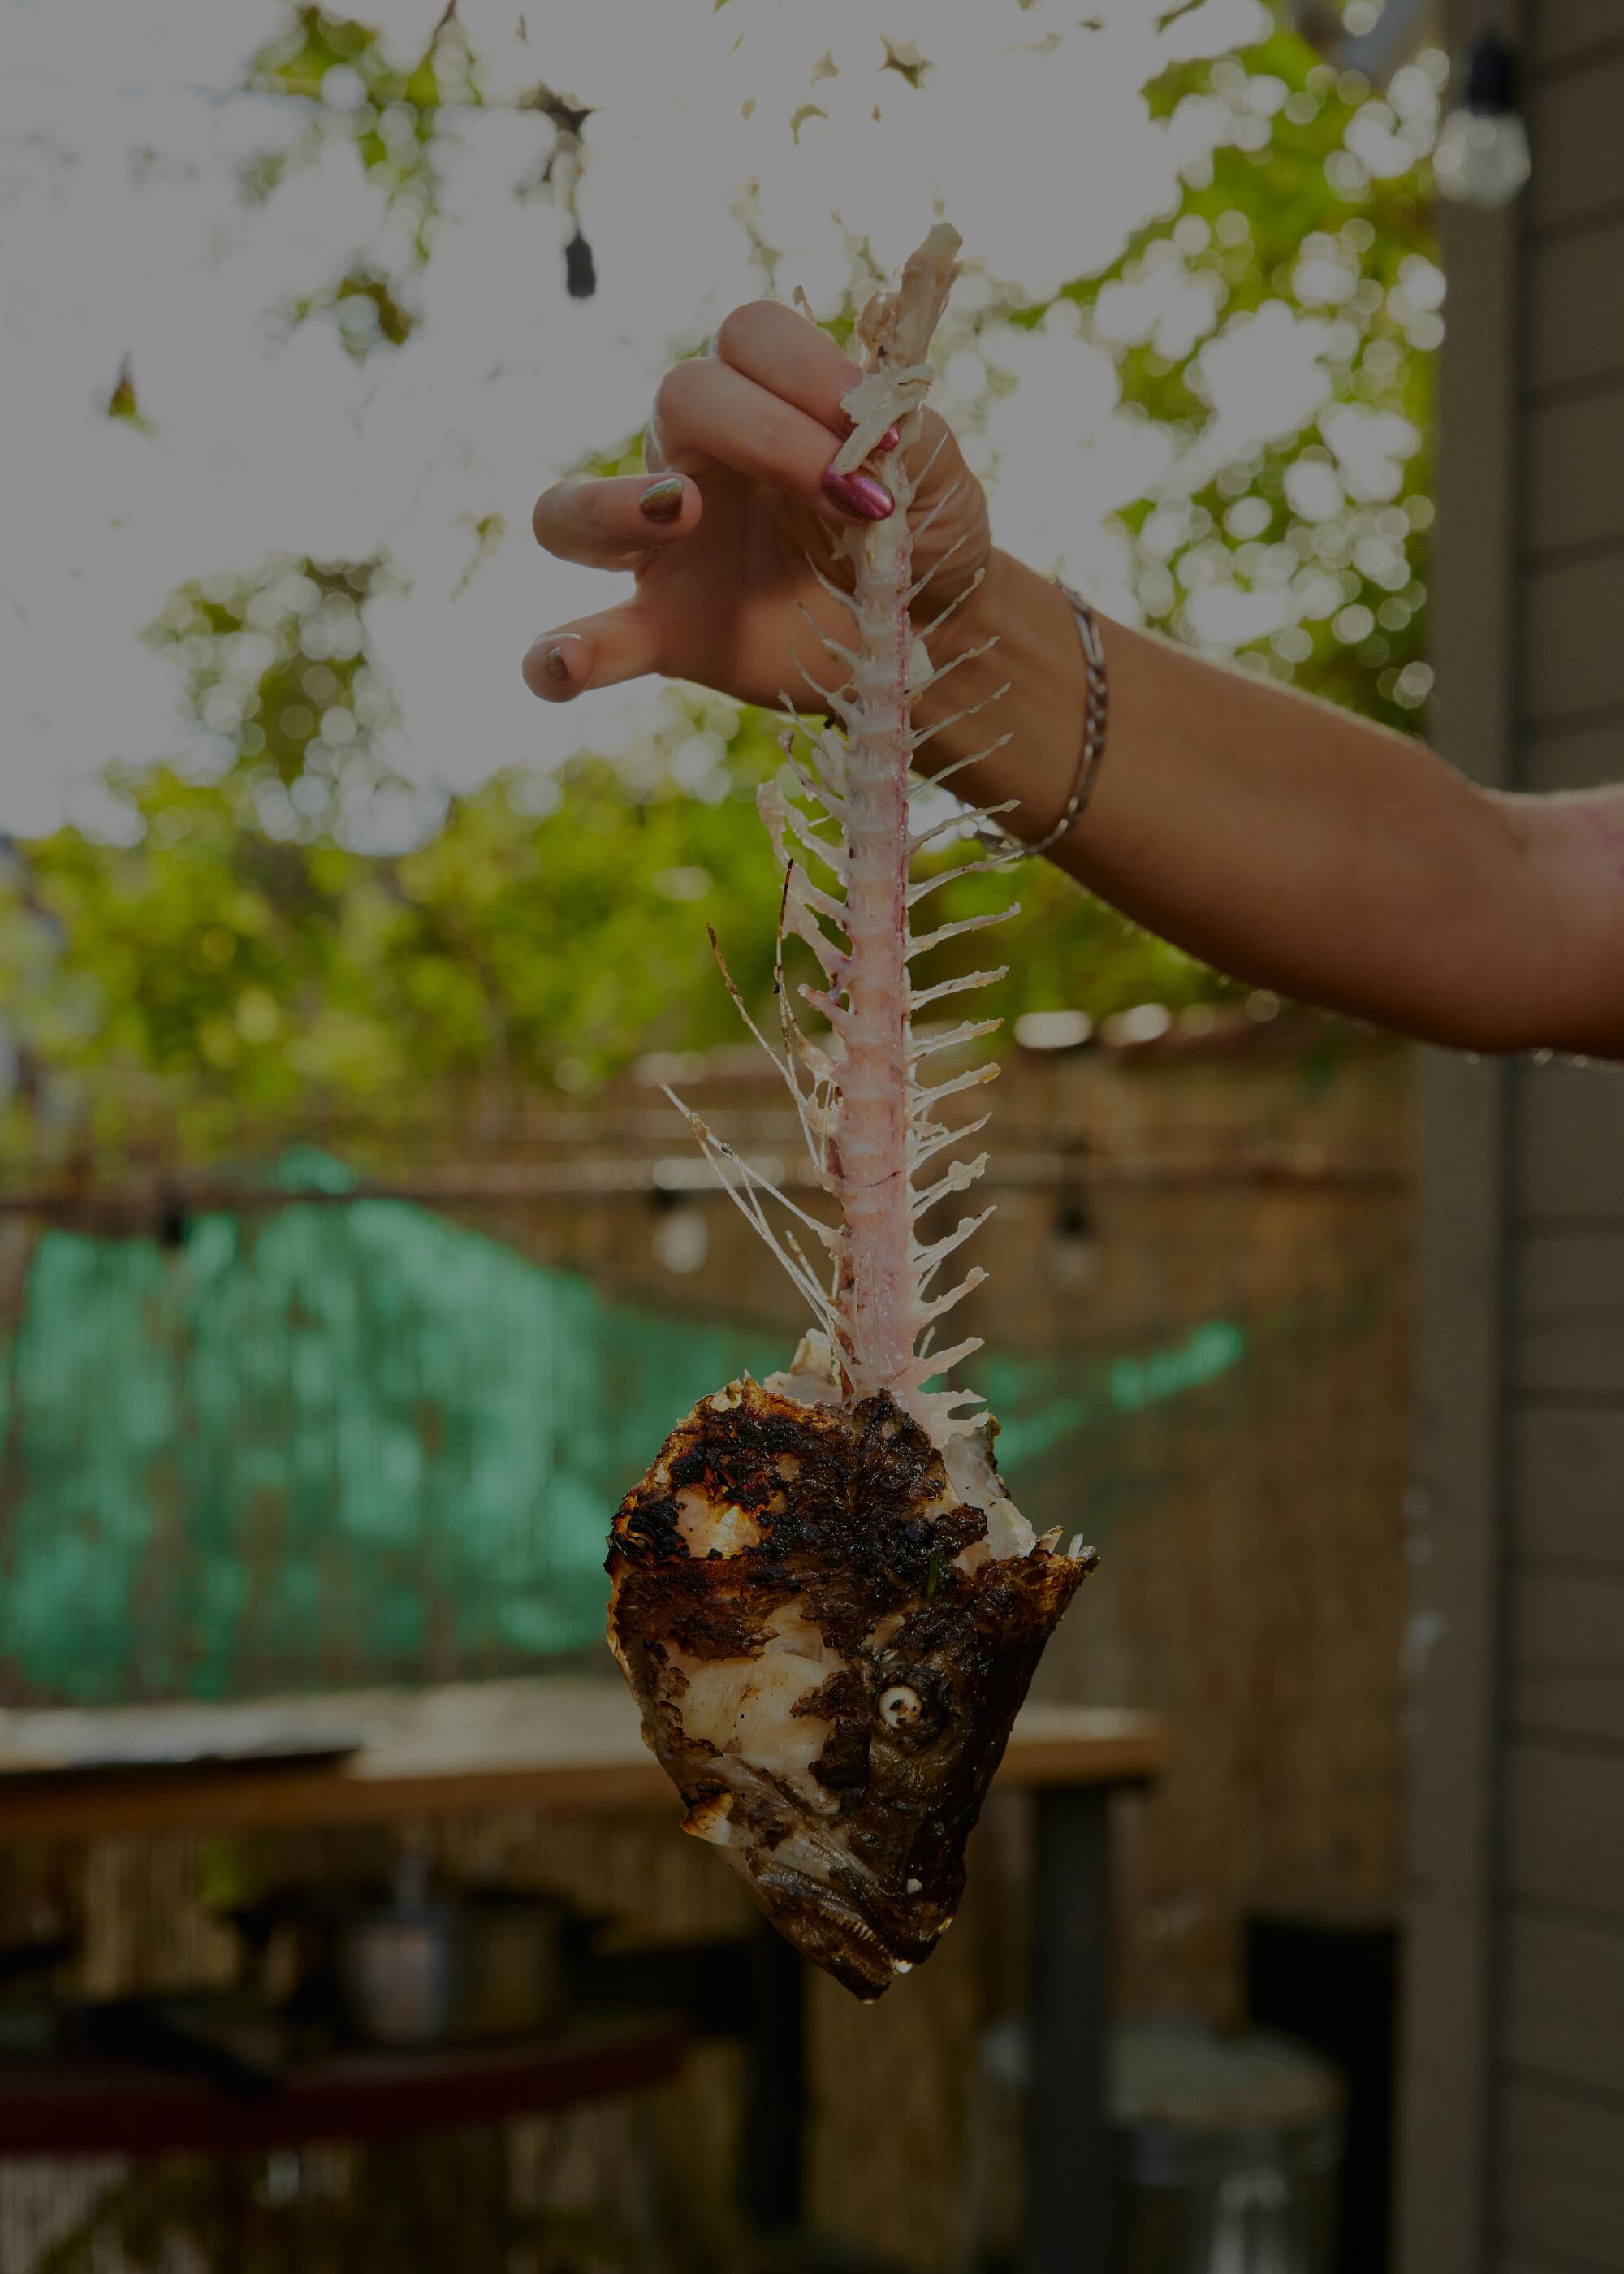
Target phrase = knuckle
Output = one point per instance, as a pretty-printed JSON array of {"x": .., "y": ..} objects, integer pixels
[
  {"x": 674, "y": 392},
  {"x": 782, "y": 447},
  {"x": 741, "y": 328}
]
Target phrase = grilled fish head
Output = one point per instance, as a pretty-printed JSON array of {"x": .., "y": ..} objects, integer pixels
[{"x": 829, "y": 1655}]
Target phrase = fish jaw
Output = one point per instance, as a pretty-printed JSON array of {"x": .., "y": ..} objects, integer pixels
[{"x": 832, "y": 1682}]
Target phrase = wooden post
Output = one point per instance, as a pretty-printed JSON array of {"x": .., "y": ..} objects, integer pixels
[
  {"x": 1457, "y": 1495},
  {"x": 1071, "y": 2178}
]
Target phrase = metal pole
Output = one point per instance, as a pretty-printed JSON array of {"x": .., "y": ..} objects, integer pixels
[
  {"x": 1069, "y": 2176},
  {"x": 775, "y": 2104}
]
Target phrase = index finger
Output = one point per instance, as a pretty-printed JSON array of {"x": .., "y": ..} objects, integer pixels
[
  {"x": 791, "y": 358},
  {"x": 614, "y": 522},
  {"x": 794, "y": 359}
]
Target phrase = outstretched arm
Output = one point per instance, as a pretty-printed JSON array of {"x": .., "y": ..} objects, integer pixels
[
  {"x": 1296, "y": 845},
  {"x": 1279, "y": 837}
]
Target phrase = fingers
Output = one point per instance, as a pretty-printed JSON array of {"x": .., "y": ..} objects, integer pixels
[
  {"x": 790, "y": 356},
  {"x": 704, "y": 410},
  {"x": 612, "y": 523},
  {"x": 781, "y": 351},
  {"x": 599, "y": 651}
]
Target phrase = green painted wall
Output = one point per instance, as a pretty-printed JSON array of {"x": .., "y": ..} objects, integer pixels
[{"x": 342, "y": 1444}]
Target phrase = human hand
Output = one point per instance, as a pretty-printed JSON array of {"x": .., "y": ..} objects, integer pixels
[{"x": 718, "y": 533}]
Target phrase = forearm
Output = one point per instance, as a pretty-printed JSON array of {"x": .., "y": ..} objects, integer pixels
[{"x": 1293, "y": 844}]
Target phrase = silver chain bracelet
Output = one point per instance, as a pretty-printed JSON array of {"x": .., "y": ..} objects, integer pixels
[{"x": 999, "y": 839}]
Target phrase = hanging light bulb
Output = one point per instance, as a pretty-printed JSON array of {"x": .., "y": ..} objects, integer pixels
[{"x": 1482, "y": 155}]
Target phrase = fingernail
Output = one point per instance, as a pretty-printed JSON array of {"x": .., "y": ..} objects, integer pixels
[
  {"x": 662, "y": 500},
  {"x": 549, "y": 660},
  {"x": 862, "y": 494}
]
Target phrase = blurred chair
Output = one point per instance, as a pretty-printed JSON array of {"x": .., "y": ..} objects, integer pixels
[{"x": 1229, "y": 2151}]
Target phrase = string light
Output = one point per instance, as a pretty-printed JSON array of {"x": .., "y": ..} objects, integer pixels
[{"x": 1482, "y": 157}]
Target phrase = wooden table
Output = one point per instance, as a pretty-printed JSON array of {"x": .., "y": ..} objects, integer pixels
[{"x": 573, "y": 1747}]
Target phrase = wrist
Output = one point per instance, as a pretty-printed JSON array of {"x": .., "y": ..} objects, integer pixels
[
  {"x": 1038, "y": 660},
  {"x": 979, "y": 623}
]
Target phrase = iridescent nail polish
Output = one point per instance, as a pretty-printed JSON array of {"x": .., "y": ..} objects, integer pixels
[
  {"x": 554, "y": 668},
  {"x": 862, "y": 494},
  {"x": 663, "y": 500}
]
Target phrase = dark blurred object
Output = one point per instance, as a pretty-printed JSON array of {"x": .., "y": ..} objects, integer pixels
[
  {"x": 30, "y": 2012},
  {"x": 1333, "y": 1983},
  {"x": 168, "y": 2076},
  {"x": 1230, "y": 2148},
  {"x": 414, "y": 1971},
  {"x": 232, "y": 2038},
  {"x": 580, "y": 269},
  {"x": 755, "y": 1990},
  {"x": 402, "y": 1966},
  {"x": 1228, "y": 2151}
]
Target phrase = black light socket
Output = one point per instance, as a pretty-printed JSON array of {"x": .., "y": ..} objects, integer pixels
[{"x": 1491, "y": 77}]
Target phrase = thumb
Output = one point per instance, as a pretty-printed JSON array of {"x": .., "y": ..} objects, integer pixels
[{"x": 598, "y": 651}]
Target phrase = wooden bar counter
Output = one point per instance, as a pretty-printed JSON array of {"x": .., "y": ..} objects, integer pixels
[{"x": 570, "y": 1746}]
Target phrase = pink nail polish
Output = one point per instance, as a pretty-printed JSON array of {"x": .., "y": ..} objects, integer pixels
[
  {"x": 862, "y": 494},
  {"x": 888, "y": 440}
]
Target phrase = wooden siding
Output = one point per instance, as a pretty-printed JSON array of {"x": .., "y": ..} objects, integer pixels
[
  {"x": 1557, "y": 2189},
  {"x": 1562, "y": 2000},
  {"x": 1518, "y": 2261},
  {"x": 1548, "y": 2020},
  {"x": 1576, "y": 335},
  {"x": 1565, "y": 1643},
  {"x": 1572, "y": 611},
  {"x": 1574, "y": 122},
  {"x": 1568, "y": 1327},
  {"x": 1573, "y": 31},
  {"x": 1559, "y": 2160},
  {"x": 1563, "y": 1829},
  {"x": 1570, "y": 1144},
  {"x": 1575, "y": 475},
  {"x": 1567, "y": 1483},
  {"x": 1444, "y": 2138},
  {"x": 1576, "y": 756}
]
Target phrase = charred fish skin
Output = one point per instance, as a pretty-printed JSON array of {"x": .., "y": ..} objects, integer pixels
[{"x": 825, "y": 1667}]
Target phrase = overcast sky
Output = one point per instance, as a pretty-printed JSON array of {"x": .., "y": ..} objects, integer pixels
[{"x": 122, "y": 235}]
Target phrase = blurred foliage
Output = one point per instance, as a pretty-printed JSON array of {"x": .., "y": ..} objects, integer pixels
[
  {"x": 288, "y": 925},
  {"x": 282, "y": 924},
  {"x": 334, "y": 75},
  {"x": 338, "y": 68},
  {"x": 1292, "y": 216}
]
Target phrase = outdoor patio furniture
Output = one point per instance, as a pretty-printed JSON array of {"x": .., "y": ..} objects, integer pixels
[{"x": 574, "y": 1746}]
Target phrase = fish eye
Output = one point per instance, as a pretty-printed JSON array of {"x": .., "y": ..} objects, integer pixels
[{"x": 901, "y": 1707}]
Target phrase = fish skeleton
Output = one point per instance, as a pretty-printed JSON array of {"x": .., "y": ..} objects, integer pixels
[{"x": 825, "y": 1602}]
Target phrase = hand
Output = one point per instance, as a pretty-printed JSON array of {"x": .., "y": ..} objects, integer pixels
[{"x": 742, "y": 439}]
